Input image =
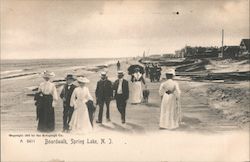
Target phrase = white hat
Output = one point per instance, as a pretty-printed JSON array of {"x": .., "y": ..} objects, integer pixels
[
  {"x": 170, "y": 71},
  {"x": 82, "y": 80},
  {"x": 103, "y": 73},
  {"x": 120, "y": 72},
  {"x": 48, "y": 74}
]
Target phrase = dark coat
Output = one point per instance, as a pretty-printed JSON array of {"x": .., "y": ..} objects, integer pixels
[
  {"x": 125, "y": 88},
  {"x": 67, "y": 93},
  {"x": 104, "y": 90}
]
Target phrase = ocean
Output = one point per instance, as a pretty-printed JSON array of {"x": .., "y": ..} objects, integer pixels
[{"x": 14, "y": 67}]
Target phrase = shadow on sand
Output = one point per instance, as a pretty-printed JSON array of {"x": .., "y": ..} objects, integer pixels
[
  {"x": 116, "y": 128},
  {"x": 128, "y": 128},
  {"x": 195, "y": 125}
]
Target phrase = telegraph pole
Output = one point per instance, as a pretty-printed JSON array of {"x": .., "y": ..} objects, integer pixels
[{"x": 222, "y": 44}]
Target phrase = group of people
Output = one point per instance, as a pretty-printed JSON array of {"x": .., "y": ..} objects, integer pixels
[
  {"x": 78, "y": 104},
  {"x": 106, "y": 91},
  {"x": 153, "y": 71}
]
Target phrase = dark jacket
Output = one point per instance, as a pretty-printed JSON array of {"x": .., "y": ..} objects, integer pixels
[
  {"x": 66, "y": 94},
  {"x": 125, "y": 89},
  {"x": 104, "y": 90}
]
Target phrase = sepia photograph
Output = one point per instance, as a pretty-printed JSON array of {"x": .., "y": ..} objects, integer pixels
[{"x": 125, "y": 80}]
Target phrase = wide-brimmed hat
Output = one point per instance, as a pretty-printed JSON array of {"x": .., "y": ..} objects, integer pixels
[
  {"x": 170, "y": 71},
  {"x": 70, "y": 76},
  {"x": 48, "y": 74},
  {"x": 82, "y": 80}
]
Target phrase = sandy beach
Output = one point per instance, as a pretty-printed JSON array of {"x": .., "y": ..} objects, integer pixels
[
  {"x": 200, "y": 121},
  {"x": 18, "y": 110}
]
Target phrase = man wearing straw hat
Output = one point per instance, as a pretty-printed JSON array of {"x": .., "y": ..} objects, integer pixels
[
  {"x": 104, "y": 94},
  {"x": 66, "y": 96},
  {"x": 121, "y": 95}
]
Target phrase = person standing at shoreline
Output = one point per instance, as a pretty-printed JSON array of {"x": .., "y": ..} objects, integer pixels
[
  {"x": 118, "y": 64},
  {"x": 65, "y": 95},
  {"x": 46, "y": 98},
  {"x": 121, "y": 95},
  {"x": 170, "y": 116},
  {"x": 104, "y": 94}
]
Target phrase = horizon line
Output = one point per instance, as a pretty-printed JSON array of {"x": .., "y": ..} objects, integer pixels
[{"x": 53, "y": 58}]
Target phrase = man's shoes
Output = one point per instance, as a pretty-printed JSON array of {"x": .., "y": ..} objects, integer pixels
[
  {"x": 108, "y": 120},
  {"x": 123, "y": 122},
  {"x": 66, "y": 130},
  {"x": 98, "y": 122}
]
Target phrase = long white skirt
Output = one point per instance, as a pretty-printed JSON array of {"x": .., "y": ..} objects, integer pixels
[
  {"x": 136, "y": 92},
  {"x": 80, "y": 122},
  {"x": 170, "y": 112}
]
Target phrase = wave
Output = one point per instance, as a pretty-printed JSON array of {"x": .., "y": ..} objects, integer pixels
[
  {"x": 11, "y": 71},
  {"x": 78, "y": 70}
]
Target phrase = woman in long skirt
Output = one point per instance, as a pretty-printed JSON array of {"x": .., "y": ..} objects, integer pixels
[
  {"x": 47, "y": 98},
  {"x": 80, "y": 122},
  {"x": 136, "y": 87},
  {"x": 170, "y": 106}
]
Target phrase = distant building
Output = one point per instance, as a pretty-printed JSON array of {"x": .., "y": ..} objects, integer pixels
[
  {"x": 199, "y": 52},
  {"x": 244, "y": 47},
  {"x": 211, "y": 52},
  {"x": 230, "y": 51},
  {"x": 168, "y": 55},
  {"x": 179, "y": 53},
  {"x": 189, "y": 51},
  {"x": 155, "y": 56}
]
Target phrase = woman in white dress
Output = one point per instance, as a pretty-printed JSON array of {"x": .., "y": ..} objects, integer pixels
[
  {"x": 136, "y": 87},
  {"x": 170, "y": 106},
  {"x": 80, "y": 122},
  {"x": 46, "y": 99}
]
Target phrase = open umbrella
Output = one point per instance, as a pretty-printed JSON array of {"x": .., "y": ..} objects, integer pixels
[{"x": 132, "y": 68}]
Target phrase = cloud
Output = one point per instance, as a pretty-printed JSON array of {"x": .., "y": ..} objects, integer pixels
[{"x": 117, "y": 28}]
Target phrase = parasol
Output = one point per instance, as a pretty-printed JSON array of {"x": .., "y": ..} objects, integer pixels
[{"x": 133, "y": 67}]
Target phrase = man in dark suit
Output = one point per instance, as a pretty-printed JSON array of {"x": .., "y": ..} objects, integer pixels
[
  {"x": 121, "y": 94},
  {"x": 65, "y": 95},
  {"x": 104, "y": 94}
]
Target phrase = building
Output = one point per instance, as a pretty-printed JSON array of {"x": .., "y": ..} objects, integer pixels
[
  {"x": 179, "y": 53},
  {"x": 200, "y": 52},
  {"x": 155, "y": 55},
  {"x": 211, "y": 52},
  {"x": 230, "y": 51},
  {"x": 168, "y": 55},
  {"x": 189, "y": 51},
  {"x": 244, "y": 47}
]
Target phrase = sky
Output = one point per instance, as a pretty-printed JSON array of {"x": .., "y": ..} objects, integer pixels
[{"x": 95, "y": 29}]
